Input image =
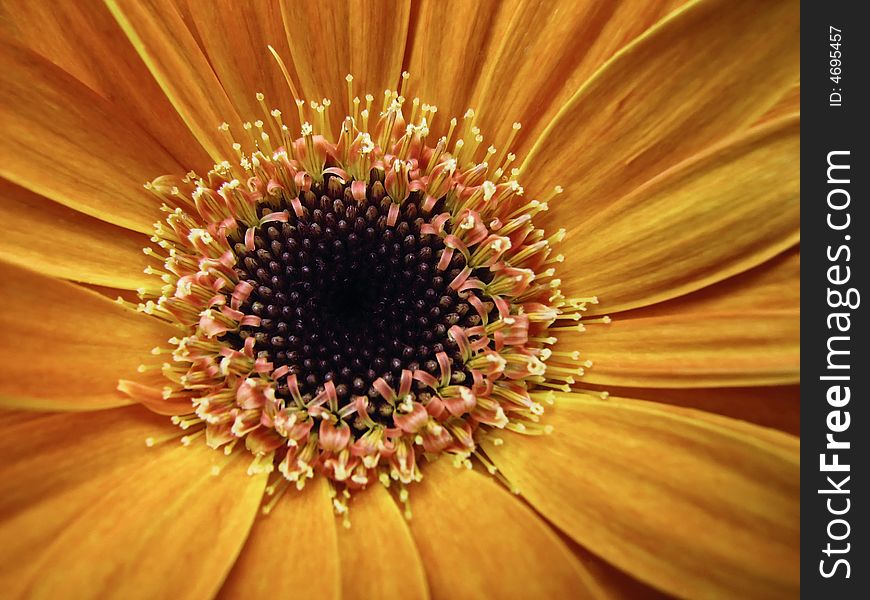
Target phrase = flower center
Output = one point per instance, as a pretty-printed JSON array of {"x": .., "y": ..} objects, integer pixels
[
  {"x": 346, "y": 297},
  {"x": 350, "y": 305}
]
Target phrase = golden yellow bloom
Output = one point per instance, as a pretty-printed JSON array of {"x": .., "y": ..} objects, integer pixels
[{"x": 659, "y": 139}]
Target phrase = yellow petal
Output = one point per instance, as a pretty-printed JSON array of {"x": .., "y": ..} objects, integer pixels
[
  {"x": 57, "y": 241},
  {"x": 450, "y": 41},
  {"x": 694, "y": 504},
  {"x": 743, "y": 331},
  {"x": 478, "y": 541},
  {"x": 577, "y": 37},
  {"x": 711, "y": 217},
  {"x": 107, "y": 63},
  {"x": 63, "y": 347},
  {"x": 378, "y": 555},
  {"x": 63, "y": 141},
  {"x": 166, "y": 45},
  {"x": 292, "y": 552},
  {"x": 236, "y": 36},
  {"x": 704, "y": 72},
  {"x": 140, "y": 537}
]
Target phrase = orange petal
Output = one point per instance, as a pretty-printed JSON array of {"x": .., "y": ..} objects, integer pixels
[
  {"x": 63, "y": 347},
  {"x": 318, "y": 35},
  {"x": 773, "y": 285},
  {"x": 54, "y": 466},
  {"x": 378, "y": 555},
  {"x": 107, "y": 63},
  {"x": 60, "y": 242},
  {"x": 577, "y": 37},
  {"x": 378, "y": 34},
  {"x": 615, "y": 583},
  {"x": 151, "y": 519},
  {"x": 688, "y": 82},
  {"x": 168, "y": 48},
  {"x": 60, "y": 139},
  {"x": 243, "y": 63},
  {"x": 711, "y": 217},
  {"x": 683, "y": 351},
  {"x": 365, "y": 39},
  {"x": 451, "y": 39},
  {"x": 697, "y": 505},
  {"x": 788, "y": 104},
  {"x": 777, "y": 407},
  {"x": 742, "y": 331},
  {"x": 292, "y": 552},
  {"x": 478, "y": 541}
]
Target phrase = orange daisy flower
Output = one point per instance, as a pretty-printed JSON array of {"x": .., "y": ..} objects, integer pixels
[{"x": 544, "y": 346}]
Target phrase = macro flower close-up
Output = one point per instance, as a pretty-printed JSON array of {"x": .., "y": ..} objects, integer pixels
[{"x": 400, "y": 298}]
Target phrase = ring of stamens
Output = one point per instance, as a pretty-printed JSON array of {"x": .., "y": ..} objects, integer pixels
[{"x": 349, "y": 305}]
